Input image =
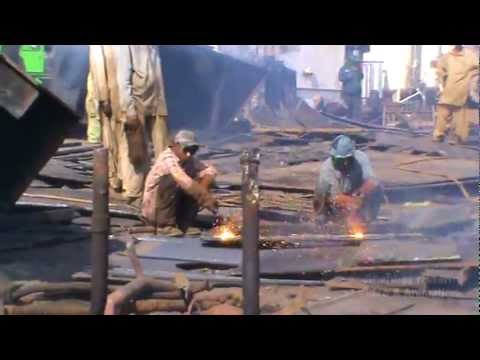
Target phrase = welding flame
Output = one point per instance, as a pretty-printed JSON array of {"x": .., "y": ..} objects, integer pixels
[
  {"x": 227, "y": 232},
  {"x": 358, "y": 236}
]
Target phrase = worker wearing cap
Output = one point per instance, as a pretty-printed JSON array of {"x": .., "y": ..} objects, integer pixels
[
  {"x": 347, "y": 185},
  {"x": 454, "y": 73},
  {"x": 351, "y": 77},
  {"x": 178, "y": 185}
]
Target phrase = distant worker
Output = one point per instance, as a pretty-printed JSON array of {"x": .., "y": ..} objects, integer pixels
[
  {"x": 103, "y": 69},
  {"x": 178, "y": 186},
  {"x": 351, "y": 77},
  {"x": 347, "y": 190},
  {"x": 143, "y": 114},
  {"x": 94, "y": 124},
  {"x": 454, "y": 73}
]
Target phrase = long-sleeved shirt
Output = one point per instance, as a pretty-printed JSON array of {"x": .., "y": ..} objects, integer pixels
[
  {"x": 351, "y": 77},
  {"x": 168, "y": 163},
  {"x": 140, "y": 80},
  {"x": 454, "y": 72}
]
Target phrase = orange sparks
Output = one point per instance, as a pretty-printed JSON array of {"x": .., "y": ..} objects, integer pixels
[{"x": 227, "y": 232}]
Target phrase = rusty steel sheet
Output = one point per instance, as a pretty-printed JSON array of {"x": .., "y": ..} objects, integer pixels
[
  {"x": 185, "y": 249},
  {"x": 402, "y": 252},
  {"x": 305, "y": 261},
  {"x": 41, "y": 236},
  {"x": 35, "y": 123}
]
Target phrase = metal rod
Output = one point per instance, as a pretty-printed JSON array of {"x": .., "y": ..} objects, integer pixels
[
  {"x": 100, "y": 230},
  {"x": 250, "y": 259}
]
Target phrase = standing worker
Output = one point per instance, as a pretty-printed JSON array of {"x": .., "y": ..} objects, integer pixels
[
  {"x": 103, "y": 69},
  {"x": 143, "y": 114},
  {"x": 351, "y": 76},
  {"x": 454, "y": 73},
  {"x": 94, "y": 124},
  {"x": 347, "y": 190},
  {"x": 177, "y": 186}
]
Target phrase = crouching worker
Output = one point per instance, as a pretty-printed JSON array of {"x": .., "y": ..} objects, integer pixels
[
  {"x": 346, "y": 189},
  {"x": 178, "y": 186}
]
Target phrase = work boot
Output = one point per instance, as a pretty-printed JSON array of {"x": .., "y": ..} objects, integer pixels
[
  {"x": 455, "y": 140},
  {"x": 171, "y": 231},
  {"x": 193, "y": 231},
  {"x": 135, "y": 202},
  {"x": 115, "y": 195},
  {"x": 439, "y": 138}
]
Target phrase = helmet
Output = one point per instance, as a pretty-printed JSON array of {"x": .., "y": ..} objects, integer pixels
[{"x": 342, "y": 152}]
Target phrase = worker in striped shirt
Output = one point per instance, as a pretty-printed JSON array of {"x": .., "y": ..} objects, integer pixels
[{"x": 178, "y": 186}]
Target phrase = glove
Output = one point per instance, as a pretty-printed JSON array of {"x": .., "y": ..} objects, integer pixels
[
  {"x": 207, "y": 181},
  {"x": 211, "y": 204},
  {"x": 347, "y": 202},
  {"x": 106, "y": 108},
  {"x": 202, "y": 196}
]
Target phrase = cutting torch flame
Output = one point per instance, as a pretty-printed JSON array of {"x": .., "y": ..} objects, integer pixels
[
  {"x": 358, "y": 236},
  {"x": 228, "y": 231},
  {"x": 226, "y": 234}
]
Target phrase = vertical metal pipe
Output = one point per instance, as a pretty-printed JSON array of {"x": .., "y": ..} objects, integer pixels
[
  {"x": 100, "y": 231},
  {"x": 250, "y": 259}
]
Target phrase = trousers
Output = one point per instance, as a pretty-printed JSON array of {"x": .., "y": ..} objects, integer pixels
[
  {"x": 110, "y": 130},
  {"x": 133, "y": 175},
  {"x": 354, "y": 106},
  {"x": 454, "y": 118}
]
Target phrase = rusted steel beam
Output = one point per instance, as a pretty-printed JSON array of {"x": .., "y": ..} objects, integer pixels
[
  {"x": 250, "y": 260},
  {"x": 100, "y": 230},
  {"x": 73, "y": 288},
  {"x": 49, "y": 308},
  {"x": 339, "y": 237},
  {"x": 142, "y": 307},
  {"x": 399, "y": 267}
]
